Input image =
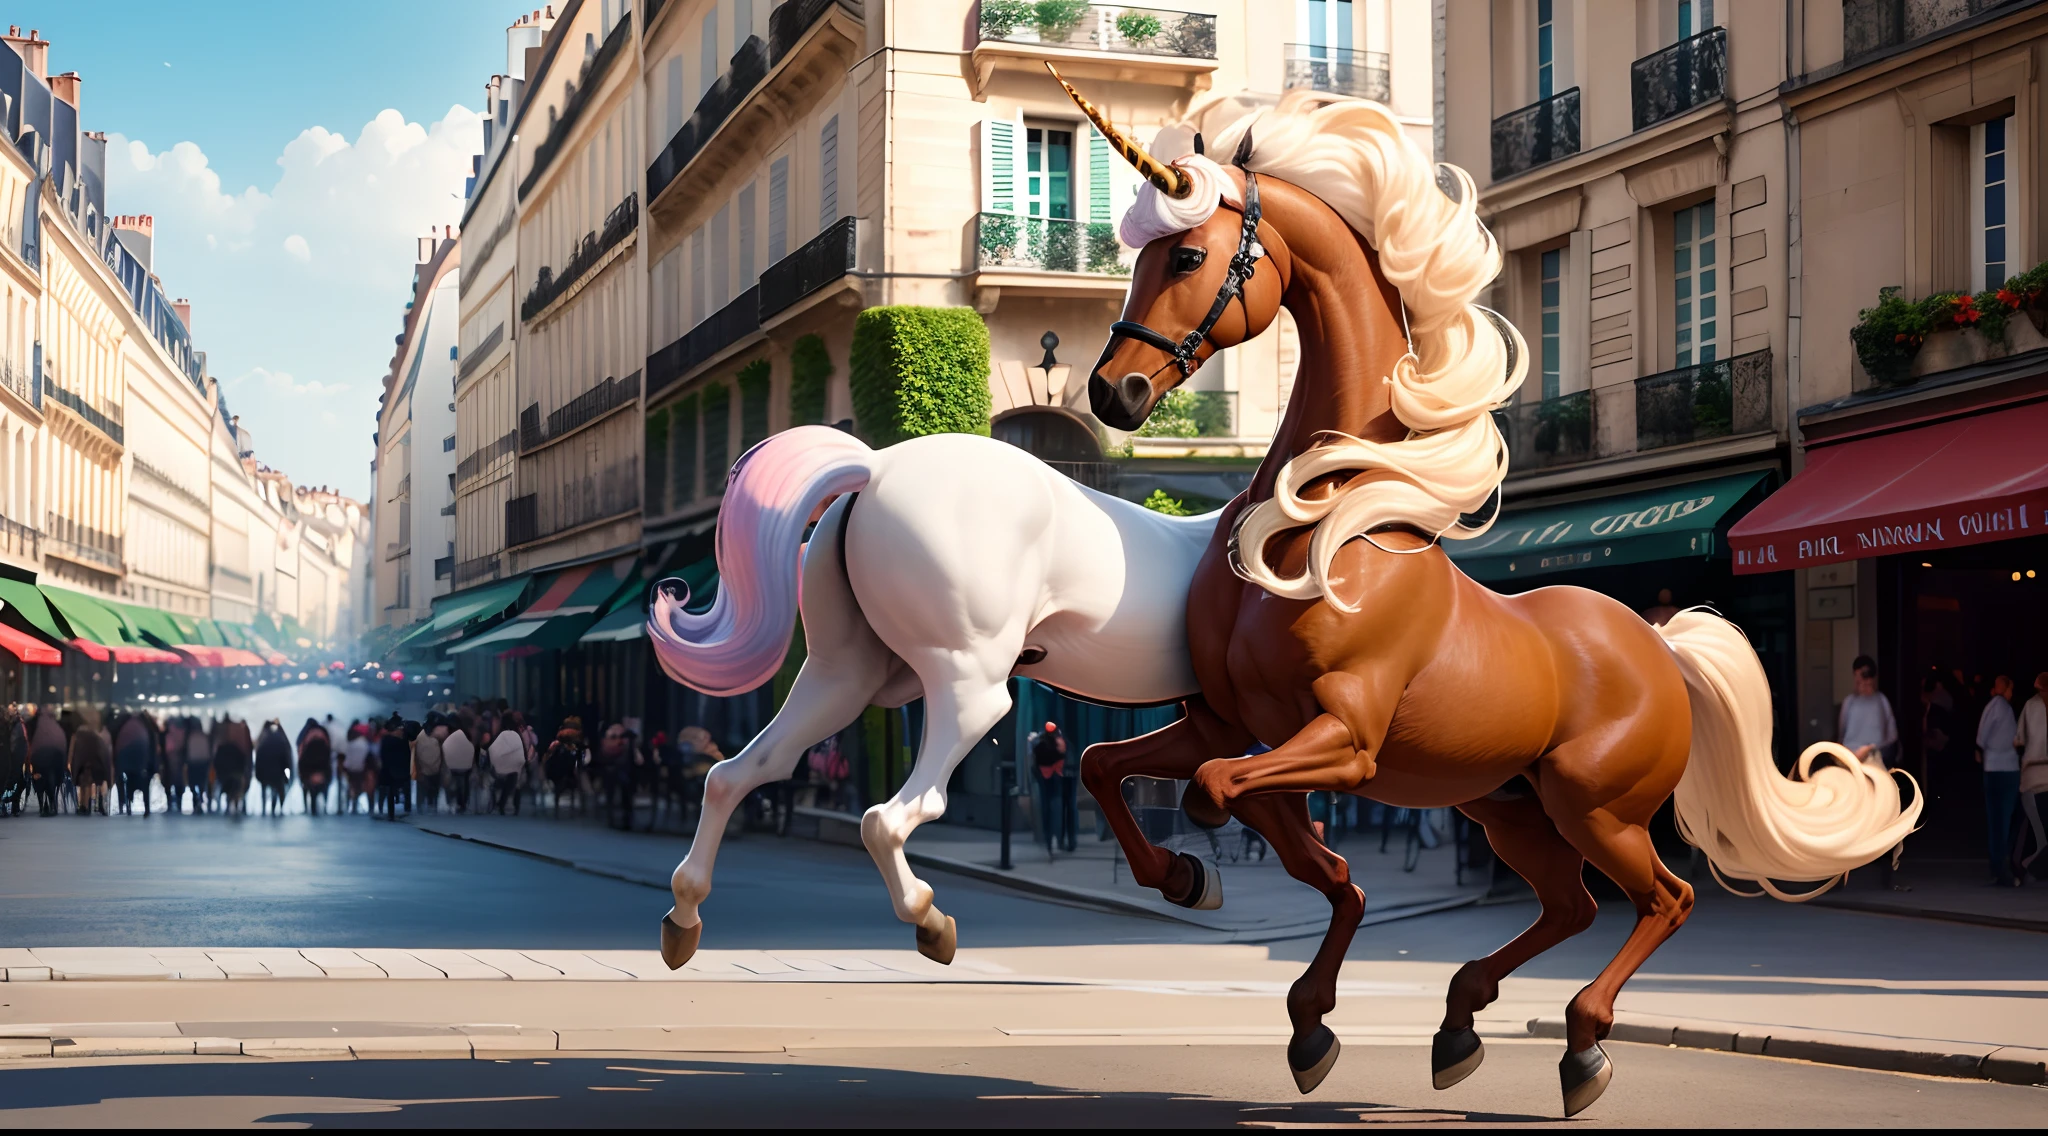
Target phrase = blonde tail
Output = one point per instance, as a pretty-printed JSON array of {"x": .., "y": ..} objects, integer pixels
[{"x": 1753, "y": 822}]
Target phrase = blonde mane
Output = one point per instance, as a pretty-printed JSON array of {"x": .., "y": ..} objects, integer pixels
[{"x": 1465, "y": 361}]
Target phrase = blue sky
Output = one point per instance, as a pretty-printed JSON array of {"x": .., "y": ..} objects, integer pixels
[{"x": 291, "y": 152}]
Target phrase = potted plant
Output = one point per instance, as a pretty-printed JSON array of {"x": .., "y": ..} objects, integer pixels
[
  {"x": 999, "y": 18},
  {"x": 1138, "y": 28},
  {"x": 1888, "y": 337},
  {"x": 1057, "y": 19}
]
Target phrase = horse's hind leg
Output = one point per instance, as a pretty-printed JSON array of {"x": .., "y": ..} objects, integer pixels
[
  {"x": 1622, "y": 850},
  {"x": 1526, "y": 841},
  {"x": 1174, "y": 752},
  {"x": 1282, "y": 818}
]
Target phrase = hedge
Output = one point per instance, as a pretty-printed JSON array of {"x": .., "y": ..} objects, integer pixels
[
  {"x": 917, "y": 371},
  {"x": 754, "y": 382},
  {"x": 717, "y": 436},
  {"x": 810, "y": 369}
]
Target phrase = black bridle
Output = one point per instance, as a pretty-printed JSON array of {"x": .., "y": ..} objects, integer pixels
[{"x": 1181, "y": 352}]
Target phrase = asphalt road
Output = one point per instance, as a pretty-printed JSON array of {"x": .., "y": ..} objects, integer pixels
[{"x": 1037, "y": 1087}]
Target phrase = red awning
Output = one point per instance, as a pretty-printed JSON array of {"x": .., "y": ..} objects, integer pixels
[
  {"x": 28, "y": 648},
  {"x": 126, "y": 654},
  {"x": 558, "y": 592},
  {"x": 1943, "y": 485},
  {"x": 93, "y": 651},
  {"x": 200, "y": 655},
  {"x": 237, "y": 657}
]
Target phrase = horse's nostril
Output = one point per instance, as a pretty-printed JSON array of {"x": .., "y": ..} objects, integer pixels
[{"x": 1135, "y": 391}]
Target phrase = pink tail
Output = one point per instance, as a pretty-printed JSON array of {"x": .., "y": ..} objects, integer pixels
[{"x": 775, "y": 488}]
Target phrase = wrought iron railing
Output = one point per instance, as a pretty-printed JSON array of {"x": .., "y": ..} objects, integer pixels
[
  {"x": 484, "y": 456},
  {"x": 481, "y": 351},
  {"x": 588, "y": 79},
  {"x": 404, "y": 490},
  {"x": 522, "y": 519},
  {"x": 1339, "y": 70},
  {"x": 822, "y": 260},
  {"x": 721, "y": 329},
  {"x": 1541, "y": 132},
  {"x": 477, "y": 568},
  {"x": 104, "y": 417},
  {"x": 1689, "y": 73},
  {"x": 1100, "y": 27},
  {"x": 1872, "y": 26},
  {"x": 1049, "y": 244},
  {"x": 1555, "y": 431},
  {"x": 547, "y": 286},
  {"x": 21, "y": 381},
  {"x": 20, "y": 540},
  {"x": 1193, "y": 414},
  {"x": 1707, "y": 400},
  {"x": 612, "y": 491},
  {"x": 577, "y": 413}
]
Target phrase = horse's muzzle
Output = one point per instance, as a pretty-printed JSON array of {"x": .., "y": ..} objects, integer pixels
[{"x": 1122, "y": 405}]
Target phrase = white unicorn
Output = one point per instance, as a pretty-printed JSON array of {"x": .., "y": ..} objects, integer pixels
[{"x": 946, "y": 565}]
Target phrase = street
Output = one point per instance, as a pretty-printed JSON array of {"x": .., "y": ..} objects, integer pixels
[{"x": 1054, "y": 1014}]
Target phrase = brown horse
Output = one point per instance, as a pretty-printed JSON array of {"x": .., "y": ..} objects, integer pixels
[{"x": 1326, "y": 621}]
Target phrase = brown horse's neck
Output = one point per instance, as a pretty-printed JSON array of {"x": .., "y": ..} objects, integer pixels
[{"x": 1349, "y": 323}]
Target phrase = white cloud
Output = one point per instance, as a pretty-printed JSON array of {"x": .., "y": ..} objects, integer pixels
[{"x": 289, "y": 324}]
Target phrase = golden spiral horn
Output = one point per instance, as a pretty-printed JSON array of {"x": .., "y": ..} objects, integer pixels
[{"x": 1172, "y": 182}]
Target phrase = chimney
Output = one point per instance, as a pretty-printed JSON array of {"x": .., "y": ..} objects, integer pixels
[
  {"x": 137, "y": 234},
  {"x": 184, "y": 310},
  {"x": 33, "y": 49},
  {"x": 66, "y": 87},
  {"x": 426, "y": 249}
]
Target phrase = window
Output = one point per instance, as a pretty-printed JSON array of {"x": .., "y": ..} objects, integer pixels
[
  {"x": 1991, "y": 204},
  {"x": 1545, "y": 48},
  {"x": 448, "y": 444},
  {"x": 778, "y": 209},
  {"x": 1049, "y": 173},
  {"x": 697, "y": 282},
  {"x": 828, "y": 173},
  {"x": 1692, "y": 285},
  {"x": 1328, "y": 23},
  {"x": 707, "y": 74},
  {"x": 721, "y": 256},
  {"x": 742, "y": 22},
  {"x": 1552, "y": 288},
  {"x": 746, "y": 235},
  {"x": 674, "y": 121},
  {"x": 1694, "y": 17}
]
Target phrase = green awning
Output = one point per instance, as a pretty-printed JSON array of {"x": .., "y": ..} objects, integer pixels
[
  {"x": 1675, "y": 522},
  {"x": 455, "y": 611},
  {"x": 629, "y": 622},
  {"x": 530, "y": 634},
  {"x": 211, "y": 635},
  {"x": 91, "y": 620},
  {"x": 156, "y": 624},
  {"x": 30, "y": 602},
  {"x": 187, "y": 627}
]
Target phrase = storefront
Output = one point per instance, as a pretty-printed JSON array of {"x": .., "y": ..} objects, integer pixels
[
  {"x": 1634, "y": 545},
  {"x": 1924, "y": 542}
]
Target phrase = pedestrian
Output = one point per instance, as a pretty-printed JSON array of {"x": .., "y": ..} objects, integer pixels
[
  {"x": 508, "y": 757},
  {"x": 357, "y": 765},
  {"x": 1866, "y": 726},
  {"x": 91, "y": 763},
  {"x": 134, "y": 761},
  {"x": 429, "y": 768},
  {"x": 46, "y": 758},
  {"x": 1055, "y": 789},
  {"x": 171, "y": 773},
  {"x": 564, "y": 761},
  {"x": 199, "y": 764},
  {"x": 458, "y": 756},
  {"x": 394, "y": 765},
  {"x": 2032, "y": 742},
  {"x": 316, "y": 764},
  {"x": 1660, "y": 612},
  {"x": 2001, "y": 761},
  {"x": 273, "y": 765}
]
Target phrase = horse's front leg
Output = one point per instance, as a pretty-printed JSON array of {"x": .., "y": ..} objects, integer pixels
[
  {"x": 1335, "y": 752},
  {"x": 1174, "y": 752}
]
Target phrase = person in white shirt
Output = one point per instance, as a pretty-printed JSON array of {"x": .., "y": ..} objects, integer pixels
[
  {"x": 355, "y": 763},
  {"x": 1866, "y": 726},
  {"x": 458, "y": 753},
  {"x": 2032, "y": 742},
  {"x": 1996, "y": 729},
  {"x": 508, "y": 758}
]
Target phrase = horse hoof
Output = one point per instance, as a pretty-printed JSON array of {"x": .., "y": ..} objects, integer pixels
[
  {"x": 678, "y": 943},
  {"x": 1200, "y": 810},
  {"x": 1207, "y": 892},
  {"x": 1453, "y": 1055},
  {"x": 1584, "y": 1076},
  {"x": 1311, "y": 1058},
  {"x": 939, "y": 946}
]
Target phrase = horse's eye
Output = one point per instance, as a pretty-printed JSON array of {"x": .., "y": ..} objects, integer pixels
[{"x": 1187, "y": 258}]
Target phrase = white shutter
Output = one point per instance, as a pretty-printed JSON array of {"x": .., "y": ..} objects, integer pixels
[
  {"x": 721, "y": 256},
  {"x": 699, "y": 286},
  {"x": 674, "y": 121},
  {"x": 828, "y": 173},
  {"x": 778, "y": 209},
  {"x": 1001, "y": 141},
  {"x": 746, "y": 234}
]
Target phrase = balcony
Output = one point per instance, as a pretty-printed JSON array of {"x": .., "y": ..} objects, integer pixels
[
  {"x": 476, "y": 568},
  {"x": 730, "y": 95},
  {"x": 822, "y": 260},
  {"x": 1692, "y": 72},
  {"x": 1554, "y": 431},
  {"x": 1193, "y": 414},
  {"x": 1871, "y": 27},
  {"x": 1100, "y": 27},
  {"x": 444, "y": 567},
  {"x": 104, "y": 417},
  {"x": 586, "y": 408},
  {"x": 480, "y": 352},
  {"x": 22, "y": 382},
  {"x": 1708, "y": 400},
  {"x": 404, "y": 490},
  {"x": 590, "y": 254},
  {"x": 1048, "y": 244},
  {"x": 1541, "y": 132},
  {"x": 611, "y": 492},
  {"x": 486, "y": 456},
  {"x": 588, "y": 79},
  {"x": 20, "y": 541},
  {"x": 1339, "y": 71},
  {"x": 723, "y": 328}
]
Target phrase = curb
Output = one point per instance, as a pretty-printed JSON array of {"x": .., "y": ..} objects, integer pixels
[
  {"x": 2011, "y": 1064},
  {"x": 1845, "y": 903}
]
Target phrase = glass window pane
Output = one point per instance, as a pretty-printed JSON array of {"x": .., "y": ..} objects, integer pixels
[
  {"x": 1682, "y": 288},
  {"x": 1706, "y": 212},
  {"x": 1550, "y": 293},
  {"x": 1994, "y": 246},
  {"x": 1684, "y": 317},
  {"x": 1707, "y": 333},
  {"x": 1994, "y": 168},
  {"x": 1542, "y": 11},
  {"x": 1550, "y": 323},
  {"x": 1681, "y": 225},
  {"x": 1994, "y": 205},
  {"x": 1684, "y": 357},
  {"x": 1707, "y": 353},
  {"x": 1550, "y": 354},
  {"x": 1551, "y": 262},
  {"x": 1706, "y": 253},
  {"x": 1681, "y": 259},
  {"x": 1706, "y": 307},
  {"x": 1707, "y": 282},
  {"x": 1994, "y": 135}
]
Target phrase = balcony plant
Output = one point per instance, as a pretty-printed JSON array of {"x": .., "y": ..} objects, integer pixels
[
  {"x": 1564, "y": 424},
  {"x": 1140, "y": 28},
  {"x": 918, "y": 370},
  {"x": 1105, "y": 252},
  {"x": 997, "y": 238},
  {"x": 1889, "y": 335},
  {"x": 1159, "y": 502},
  {"x": 1057, "y": 19},
  {"x": 999, "y": 18}
]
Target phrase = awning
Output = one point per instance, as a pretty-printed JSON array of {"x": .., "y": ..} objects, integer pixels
[
  {"x": 28, "y": 648},
  {"x": 89, "y": 619},
  {"x": 145, "y": 655},
  {"x": 529, "y": 635},
  {"x": 629, "y": 622},
  {"x": 1943, "y": 485},
  {"x": 1657, "y": 524},
  {"x": 456, "y": 611},
  {"x": 30, "y": 604}
]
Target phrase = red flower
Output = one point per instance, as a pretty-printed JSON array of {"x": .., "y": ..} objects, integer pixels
[{"x": 2009, "y": 298}]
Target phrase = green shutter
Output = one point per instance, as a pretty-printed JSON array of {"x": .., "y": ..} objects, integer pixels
[
  {"x": 998, "y": 166},
  {"x": 1098, "y": 176}
]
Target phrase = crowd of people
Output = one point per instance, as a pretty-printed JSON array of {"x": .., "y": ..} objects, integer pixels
[{"x": 473, "y": 757}]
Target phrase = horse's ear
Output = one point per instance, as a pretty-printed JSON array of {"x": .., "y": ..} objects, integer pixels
[
  {"x": 1244, "y": 149},
  {"x": 1198, "y": 141}
]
